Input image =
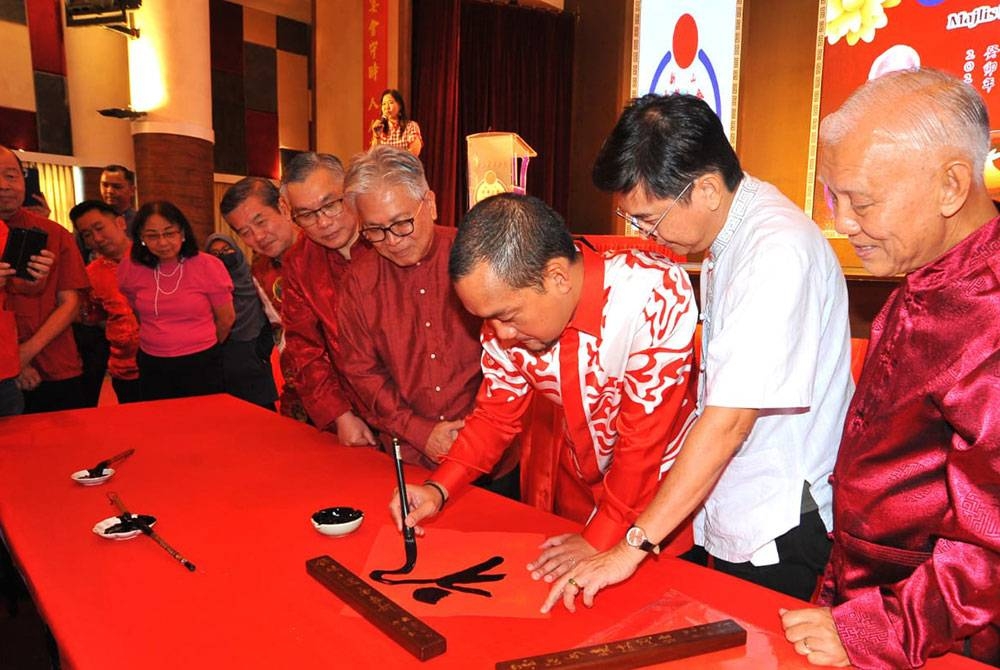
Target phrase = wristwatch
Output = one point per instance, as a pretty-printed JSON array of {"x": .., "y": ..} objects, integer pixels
[{"x": 636, "y": 537}]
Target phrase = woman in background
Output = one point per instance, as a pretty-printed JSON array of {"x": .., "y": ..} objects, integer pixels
[
  {"x": 246, "y": 353},
  {"x": 394, "y": 127},
  {"x": 184, "y": 302}
]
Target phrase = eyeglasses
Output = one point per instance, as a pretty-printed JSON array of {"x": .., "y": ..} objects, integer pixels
[
  {"x": 330, "y": 210},
  {"x": 168, "y": 235},
  {"x": 400, "y": 228},
  {"x": 651, "y": 231}
]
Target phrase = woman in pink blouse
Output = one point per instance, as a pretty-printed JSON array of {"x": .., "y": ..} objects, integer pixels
[
  {"x": 184, "y": 302},
  {"x": 394, "y": 127}
]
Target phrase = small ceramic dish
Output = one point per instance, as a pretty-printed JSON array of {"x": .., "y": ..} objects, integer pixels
[
  {"x": 114, "y": 528},
  {"x": 337, "y": 520},
  {"x": 84, "y": 478}
]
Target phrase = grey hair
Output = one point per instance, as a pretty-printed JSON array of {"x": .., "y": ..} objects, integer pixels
[
  {"x": 927, "y": 110},
  {"x": 385, "y": 166},
  {"x": 307, "y": 162}
]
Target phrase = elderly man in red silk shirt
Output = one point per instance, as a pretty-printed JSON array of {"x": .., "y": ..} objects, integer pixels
[
  {"x": 407, "y": 348},
  {"x": 103, "y": 230},
  {"x": 256, "y": 212},
  {"x": 313, "y": 188},
  {"x": 915, "y": 566},
  {"x": 606, "y": 336}
]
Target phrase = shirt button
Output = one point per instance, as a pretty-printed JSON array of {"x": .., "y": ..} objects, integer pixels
[
  {"x": 701, "y": 367},
  {"x": 427, "y": 324},
  {"x": 701, "y": 316},
  {"x": 441, "y": 417},
  {"x": 423, "y": 291},
  {"x": 711, "y": 265},
  {"x": 433, "y": 356},
  {"x": 437, "y": 388}
]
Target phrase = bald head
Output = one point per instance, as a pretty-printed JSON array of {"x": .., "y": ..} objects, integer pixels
[
  {"x": 925, "y": 111},
  {"x": 11, "y": 183}
]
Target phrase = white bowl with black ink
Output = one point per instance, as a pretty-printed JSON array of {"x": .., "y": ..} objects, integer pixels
[
  {"x": 337, "y": 520},
  {"x": 84, "y": 478}
]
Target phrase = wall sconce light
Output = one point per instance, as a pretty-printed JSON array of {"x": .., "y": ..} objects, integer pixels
[{"x": 122, "y": 113}]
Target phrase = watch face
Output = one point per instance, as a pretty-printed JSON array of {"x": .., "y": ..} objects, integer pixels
[{"x": 635, "y": 537}]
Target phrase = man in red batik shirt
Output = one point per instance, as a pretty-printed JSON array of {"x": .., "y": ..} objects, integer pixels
[
  {"x": 313, "y": 187},
  {"x": 916, "y": 488},
  {"x": 255, "y": 211},
  {"x": 606, "y": 336},
  {"x": 50, "y": 364},
  {"x": 407, "y": 348},
  {"x": 103, "y": 230}
]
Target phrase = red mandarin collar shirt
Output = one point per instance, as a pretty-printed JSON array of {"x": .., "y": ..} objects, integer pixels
[
  {"x": 915, "y": 568},
  {"x": 10, "y": 362},
  {"x": 621, "y": 371},
  {"x": 407, "y": 347},
  {"x": 60, "y": 359},
  {"x": 106, "y": 303},
  {"x": 313, "y": 276}
]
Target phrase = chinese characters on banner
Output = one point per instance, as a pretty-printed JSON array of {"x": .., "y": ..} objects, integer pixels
[
  {"x": 375, "y": 62},
  {"x": 958, "y": 36}
]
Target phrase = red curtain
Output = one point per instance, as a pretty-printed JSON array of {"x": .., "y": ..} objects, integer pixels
[
  {"x": 434, "y": 103},
  {"x": 480, "y": 67}
]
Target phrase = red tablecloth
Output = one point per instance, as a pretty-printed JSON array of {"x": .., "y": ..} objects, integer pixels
[{"x": 233, "y": 487}]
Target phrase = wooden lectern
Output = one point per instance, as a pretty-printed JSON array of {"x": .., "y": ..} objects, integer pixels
[{"x": 498, "y": 163}]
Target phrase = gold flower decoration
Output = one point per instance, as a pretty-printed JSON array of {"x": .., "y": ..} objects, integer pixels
[{"x": 855, "y": 19}]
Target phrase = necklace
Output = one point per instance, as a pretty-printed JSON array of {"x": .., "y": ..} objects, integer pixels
[{"x": 156, "y": 278}]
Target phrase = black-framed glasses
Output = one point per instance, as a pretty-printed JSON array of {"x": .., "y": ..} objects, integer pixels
[
  {"x": 651, "y": 231},
  {"x": 310, "y": 217},
  {"x": 401, "y": 228}
]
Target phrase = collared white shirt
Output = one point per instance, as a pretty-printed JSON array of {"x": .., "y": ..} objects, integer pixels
[{"x": 775, "y": 337}]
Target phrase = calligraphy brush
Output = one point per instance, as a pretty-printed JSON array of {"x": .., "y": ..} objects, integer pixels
[
  {"x": 409, "y": 536},
  {"x": 144, "y": 527}
]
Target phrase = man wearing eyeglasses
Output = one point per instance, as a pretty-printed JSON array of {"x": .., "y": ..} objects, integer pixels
[
  {"x": 255, "y": 211},
  {"x": 44, "y": 308},
  {"x": 313, "y": 188},
  {"x": 774, "y": 379},
  {"x": 407, "y": 348}
]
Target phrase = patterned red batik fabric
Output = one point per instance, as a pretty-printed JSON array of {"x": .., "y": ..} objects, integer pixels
[
  {"x": 915, "y": 566},
  {"x": 621, "y": 371},
  {"x": 269, "y": 273}
]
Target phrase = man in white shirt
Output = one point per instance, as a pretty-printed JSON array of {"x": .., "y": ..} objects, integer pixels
[{"x": 774, "y": 381}]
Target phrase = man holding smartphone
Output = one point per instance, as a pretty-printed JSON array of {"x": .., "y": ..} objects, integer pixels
[{"x": 43, "y": 308}]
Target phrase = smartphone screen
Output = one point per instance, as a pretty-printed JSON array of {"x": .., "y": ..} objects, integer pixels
[{"x": 31, "y": 187}]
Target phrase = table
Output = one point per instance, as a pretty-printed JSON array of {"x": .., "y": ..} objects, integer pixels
[{"x": 233, "y": 487}]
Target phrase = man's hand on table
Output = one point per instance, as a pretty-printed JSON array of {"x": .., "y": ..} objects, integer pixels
[
  {"x": 813, "y": 634},
  {"x": 559, "y": 554},
  {"x": 352, "y": 431},
  {"x": 592, "y": 574},
  {"x": 442, "y": 436},
  {"x": 424, "y": 502}
]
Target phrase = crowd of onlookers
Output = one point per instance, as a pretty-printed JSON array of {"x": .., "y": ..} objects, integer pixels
[{"x": 880, "y": 503}]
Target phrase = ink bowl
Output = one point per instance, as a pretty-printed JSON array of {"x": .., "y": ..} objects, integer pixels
[
  {"x": 337, "y": 520},
  {"x": 84, "y": 478},
  {"x": 115, "y": 528}
]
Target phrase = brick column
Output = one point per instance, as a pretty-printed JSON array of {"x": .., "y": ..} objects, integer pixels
[{"x": 171, "y": 80}]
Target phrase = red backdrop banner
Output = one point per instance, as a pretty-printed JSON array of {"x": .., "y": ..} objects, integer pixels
[
  {"x": 958, "y": 36},
  {"x": 375, "y": 62}
]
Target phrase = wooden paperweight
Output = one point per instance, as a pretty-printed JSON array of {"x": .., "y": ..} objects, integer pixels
[
  {"x": 406, "y": 630},
  {"x": 637, "y": 652}
]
